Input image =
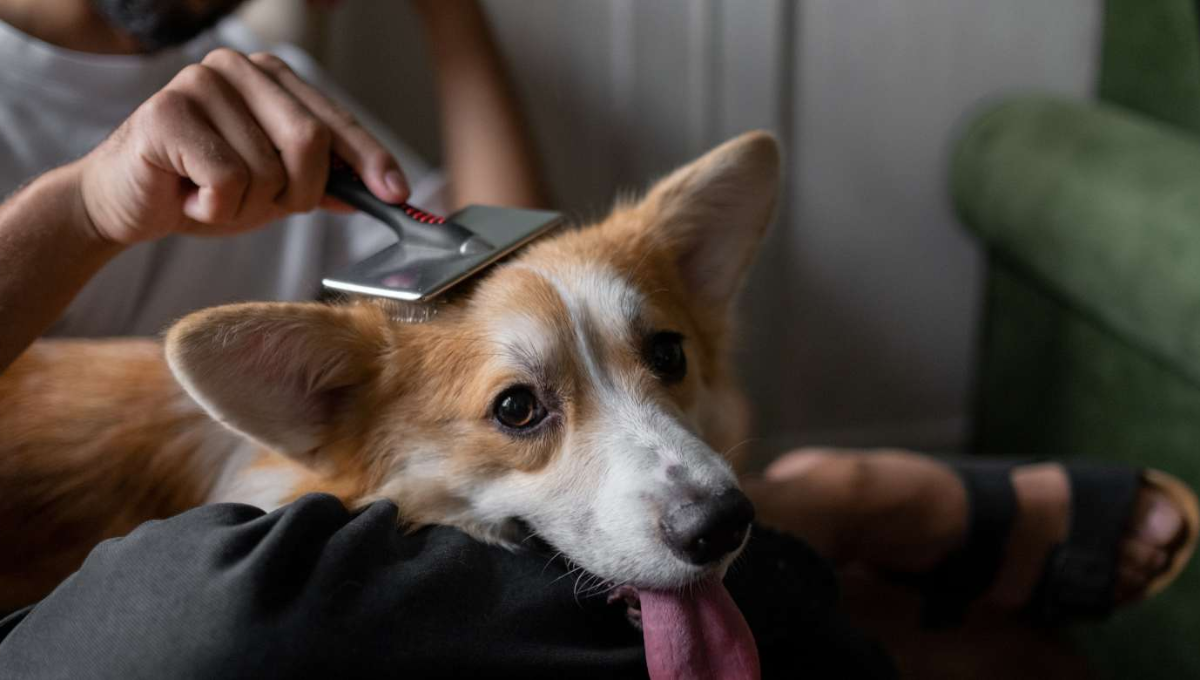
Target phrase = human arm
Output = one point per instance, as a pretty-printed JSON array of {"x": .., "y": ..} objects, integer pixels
[
  {"x": 229, "y": 145},
  {"x": 488, "y": 152},
  {"x": 48, "y": 251}
]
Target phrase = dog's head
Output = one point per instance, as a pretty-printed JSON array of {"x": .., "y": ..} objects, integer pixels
[{"x": 580, "y": 389}]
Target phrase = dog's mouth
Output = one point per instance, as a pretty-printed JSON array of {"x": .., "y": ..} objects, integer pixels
[
  {"x": 628, "y": 596},
  {"x": 695, "y": 631}
]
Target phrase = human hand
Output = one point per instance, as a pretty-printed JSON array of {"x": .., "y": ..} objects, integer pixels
[{"x": 228, "y": 145}]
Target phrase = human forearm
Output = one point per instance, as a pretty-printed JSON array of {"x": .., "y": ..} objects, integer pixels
[
  {"x": 228, "y": 145},
  {"x": 488, "y": 152},
  {"x": 48, "y": 251}
]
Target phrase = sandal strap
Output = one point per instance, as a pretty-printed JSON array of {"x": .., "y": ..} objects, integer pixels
[
  {"x": 964, "y": 575},
  {"x": 1079, "y": 579}
]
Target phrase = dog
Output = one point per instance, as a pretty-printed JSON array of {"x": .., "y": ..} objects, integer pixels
[{"x": 581, "y": 390}]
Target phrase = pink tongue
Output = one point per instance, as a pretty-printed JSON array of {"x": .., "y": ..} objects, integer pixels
[{"x": 698, "y": 634}]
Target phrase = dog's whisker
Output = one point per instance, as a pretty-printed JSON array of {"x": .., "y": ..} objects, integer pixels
[
  {"x": 575, "y": 589},
  {"x": 599, "y": 586},
  {"x": 733, "y": 448},
  {"x": 551, "y": 561},
  {"x": 569, "y": 572}
]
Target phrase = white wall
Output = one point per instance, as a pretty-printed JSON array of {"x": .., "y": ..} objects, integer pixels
[
  {"x": 861, "y": 316},
  {"x": 887, "y": 285}
]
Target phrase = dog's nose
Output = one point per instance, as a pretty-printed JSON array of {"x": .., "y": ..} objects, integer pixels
[{"x": 706, "y": 530}]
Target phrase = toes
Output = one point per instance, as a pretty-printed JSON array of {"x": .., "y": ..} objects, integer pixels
[
  {"x": 1159, "y": 522},
  {"x": 1143, "y": 558},
  {"x": 1131, "y": 585},
  {"x": 1145, "y": 552}
]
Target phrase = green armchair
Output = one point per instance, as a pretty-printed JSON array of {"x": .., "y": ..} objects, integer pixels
[{"x": 1090, "y": 216}]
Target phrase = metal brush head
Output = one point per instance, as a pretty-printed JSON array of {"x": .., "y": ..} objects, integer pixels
[
  {"x": 433, "y": 254},
  {"x": 416, "y": 272}
]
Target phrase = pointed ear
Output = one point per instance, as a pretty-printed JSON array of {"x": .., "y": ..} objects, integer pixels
[
  {"x": 712, "y": 213},
  {"x": 279, "y": 373}
]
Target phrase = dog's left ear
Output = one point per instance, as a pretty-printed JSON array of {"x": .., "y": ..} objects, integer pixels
[
  {"x": 280, "y": 373},
  {"x": 712, "y": 213}
]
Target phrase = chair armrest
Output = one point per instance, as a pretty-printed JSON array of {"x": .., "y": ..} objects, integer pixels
[{"x": 1101, "y": 205}]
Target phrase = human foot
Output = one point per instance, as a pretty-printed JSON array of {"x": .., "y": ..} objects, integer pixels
[
  {"x": 1154, "y": 532},
  {"x": 909, "y": 512}
]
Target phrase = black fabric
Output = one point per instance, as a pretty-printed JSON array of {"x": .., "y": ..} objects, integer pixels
[
  {"x": 1079, "y": 580},
  {"x": 949, "y": 588},
  {"x": 311, "y": 590}
]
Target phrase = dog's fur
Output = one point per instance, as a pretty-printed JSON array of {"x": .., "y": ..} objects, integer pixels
[{"x": 263, "y": 402}]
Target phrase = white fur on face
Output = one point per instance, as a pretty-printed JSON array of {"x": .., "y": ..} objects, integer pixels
[
  {"x": 600, "y": 501},
  {"x": 523, "y": 337}
]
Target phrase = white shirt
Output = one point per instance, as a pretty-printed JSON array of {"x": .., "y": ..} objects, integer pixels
[{"x": 56, "y": 105}]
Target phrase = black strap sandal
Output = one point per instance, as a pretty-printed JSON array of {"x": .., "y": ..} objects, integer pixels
[{"x": 1079, "y": 579}]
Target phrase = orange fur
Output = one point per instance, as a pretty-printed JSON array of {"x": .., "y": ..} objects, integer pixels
[{"x": 99, "y": 437}]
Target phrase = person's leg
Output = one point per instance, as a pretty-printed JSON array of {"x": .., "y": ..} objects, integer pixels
[
  {"x": 313, "y": 590},
  {"x": 900, "y": 511},
  {"x": 316, "y": 590},
  {"x": 854, "y": 507}
]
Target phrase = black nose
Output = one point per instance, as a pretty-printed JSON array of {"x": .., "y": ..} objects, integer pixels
[{"x": 708, "y": 529}]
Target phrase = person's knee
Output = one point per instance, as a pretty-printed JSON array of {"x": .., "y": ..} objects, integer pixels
[{"x": 886, "y": 482}]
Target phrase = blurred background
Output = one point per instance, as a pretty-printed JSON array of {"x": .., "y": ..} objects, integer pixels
[
  {"x": 957, "y": 265},
  {"x": 860, "y": 321}
]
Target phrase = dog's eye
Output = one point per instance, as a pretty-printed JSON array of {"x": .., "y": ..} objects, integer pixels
[
  {"x": 518, "y": 408},
  {"x": 665, "y": 354}
]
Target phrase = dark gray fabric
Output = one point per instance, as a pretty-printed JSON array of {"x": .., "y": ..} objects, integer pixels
[{"x": 311, "y": 590}]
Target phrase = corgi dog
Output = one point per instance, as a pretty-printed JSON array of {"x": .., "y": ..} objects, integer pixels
[{"x": 581, "y": 391}]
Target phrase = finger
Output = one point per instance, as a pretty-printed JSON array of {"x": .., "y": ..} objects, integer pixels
[
  {"x": 303, "y": 140},
  {"x": 351, "y": 141},
  {"x": 334, "y": 205},
  {"x": 231, "y": 118},
  {"x": 181, "y": 140}
]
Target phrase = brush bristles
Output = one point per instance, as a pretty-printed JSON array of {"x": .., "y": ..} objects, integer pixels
[
  {"x": 399, "y": 311},
  {"x": 409, "y": 312}
]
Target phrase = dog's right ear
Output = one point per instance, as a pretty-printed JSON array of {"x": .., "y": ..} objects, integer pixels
[{"x": 279, "y": 373}]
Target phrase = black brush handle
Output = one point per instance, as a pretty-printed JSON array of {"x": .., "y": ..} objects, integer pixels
[{"x": 426, "y": 228}]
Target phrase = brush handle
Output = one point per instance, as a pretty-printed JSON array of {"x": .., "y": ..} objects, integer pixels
[{"x": 408, "y": 222}]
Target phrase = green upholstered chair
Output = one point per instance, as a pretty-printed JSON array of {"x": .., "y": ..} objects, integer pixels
[{"x": 1090, "y": 215}]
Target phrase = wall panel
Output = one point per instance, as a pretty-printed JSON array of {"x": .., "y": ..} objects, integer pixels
[{"x": 860, "y": 316}]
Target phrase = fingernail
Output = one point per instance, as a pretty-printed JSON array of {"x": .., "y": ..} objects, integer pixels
[
  {"x": 395, "y": 183},
  {"x": 1162, "y": 522}
]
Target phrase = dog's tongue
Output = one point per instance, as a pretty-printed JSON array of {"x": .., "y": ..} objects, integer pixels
[{"x": 698, "y": 634}]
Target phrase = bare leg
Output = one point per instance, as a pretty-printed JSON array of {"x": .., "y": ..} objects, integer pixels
[
  {"x": 865, "y": 507},
  {"x": 488, "y": 152},
  {"x": 900, "y": 511}
]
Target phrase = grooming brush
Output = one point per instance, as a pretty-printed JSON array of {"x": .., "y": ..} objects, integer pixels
[{"x": 433, "y": 253}]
